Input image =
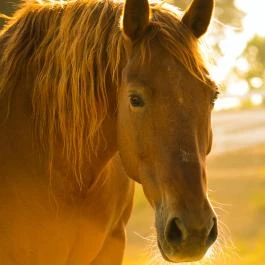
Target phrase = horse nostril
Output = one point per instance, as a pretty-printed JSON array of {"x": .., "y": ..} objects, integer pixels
[
  {"x": 213, "y": 232},
  {"x": 175, "y": 232}
]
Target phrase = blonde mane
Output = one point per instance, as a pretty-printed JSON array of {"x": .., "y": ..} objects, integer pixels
[{"x": 73, "y": 54}]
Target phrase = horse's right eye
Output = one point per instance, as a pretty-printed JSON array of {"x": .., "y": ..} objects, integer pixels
[{"x": 136, "y": 101}]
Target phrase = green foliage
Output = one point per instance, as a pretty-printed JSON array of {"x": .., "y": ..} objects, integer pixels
[
  {"x": 228, "y": 14},
  {"x": 255, "y": 55}
]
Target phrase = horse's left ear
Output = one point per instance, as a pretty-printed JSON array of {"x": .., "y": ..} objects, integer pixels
[
  {"x": 198, "y": 16},
  {"x": 135, "y": 18}
]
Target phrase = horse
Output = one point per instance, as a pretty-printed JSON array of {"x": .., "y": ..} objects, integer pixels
[{"x": 96, "y": 95}]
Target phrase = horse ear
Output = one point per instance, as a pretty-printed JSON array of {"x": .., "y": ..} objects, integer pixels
[
  {"x": 198, "y": 16},
  {"x": 135, "y": 18}
]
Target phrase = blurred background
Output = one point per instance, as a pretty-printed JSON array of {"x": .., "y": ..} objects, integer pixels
[{"x": 236, "y": 166}]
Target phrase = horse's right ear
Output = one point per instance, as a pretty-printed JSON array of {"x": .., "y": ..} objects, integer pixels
[{"x": 135, "y": 18}]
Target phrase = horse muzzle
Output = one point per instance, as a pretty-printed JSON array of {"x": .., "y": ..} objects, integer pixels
[{"x": 184, "y": 240}]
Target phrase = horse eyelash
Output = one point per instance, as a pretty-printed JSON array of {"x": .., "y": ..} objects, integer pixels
[{"x": 215, "y": 97}]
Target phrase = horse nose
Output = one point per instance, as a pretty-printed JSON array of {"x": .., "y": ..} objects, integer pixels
[
  {"x": 177, "y": 233},
  {"x": 212, "y": 232}
]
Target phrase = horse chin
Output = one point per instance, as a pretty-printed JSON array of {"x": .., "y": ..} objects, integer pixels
[
  {"x": 177, "y": 258},
  {"x": 165, "y": 257}
]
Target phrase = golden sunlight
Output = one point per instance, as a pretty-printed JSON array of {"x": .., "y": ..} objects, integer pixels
[
  {"x": 235, "y": 42},
  {"x": 254, "y": 16},
  {"x": 232, "y": 46}
]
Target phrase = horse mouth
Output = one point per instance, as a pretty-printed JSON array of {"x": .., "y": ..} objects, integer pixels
[
  {"x": 192, "y": 258},
  {"x": 165, "y": 257}
]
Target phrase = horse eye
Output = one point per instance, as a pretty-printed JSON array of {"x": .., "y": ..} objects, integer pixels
[
  {"x": 214, "y": 98},
  {"x": 136, "y": 101}
]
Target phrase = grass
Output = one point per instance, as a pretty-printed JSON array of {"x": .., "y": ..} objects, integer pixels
[{"x": 237, "y": 182}]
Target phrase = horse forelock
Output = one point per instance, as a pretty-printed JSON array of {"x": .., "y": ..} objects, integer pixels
[
  {"x": 73, "y": 48},
  {"x": 167, "y": 29}
]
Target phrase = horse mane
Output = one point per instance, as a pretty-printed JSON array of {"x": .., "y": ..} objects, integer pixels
[{"x": 75, "y": 50}]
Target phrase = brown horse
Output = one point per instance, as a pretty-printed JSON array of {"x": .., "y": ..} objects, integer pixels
[{"x": 92, "y": 92}]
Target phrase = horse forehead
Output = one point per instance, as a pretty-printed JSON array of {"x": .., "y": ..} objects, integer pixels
[
  {"x": 168, "y": 77},
  {"x": 151, "y": 72},
  {"x": 181, "y": 83}
]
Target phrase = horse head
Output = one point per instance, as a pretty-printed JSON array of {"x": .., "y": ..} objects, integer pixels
[{"x": 164, "y": 123}]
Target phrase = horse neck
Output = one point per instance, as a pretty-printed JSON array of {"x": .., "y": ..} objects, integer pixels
[{"x": 16, "y": 125}]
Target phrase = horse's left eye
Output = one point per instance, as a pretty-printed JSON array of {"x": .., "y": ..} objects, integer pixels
[
  {"x": 136, "y": 101},
  {"x": 214, "y": 98}
]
